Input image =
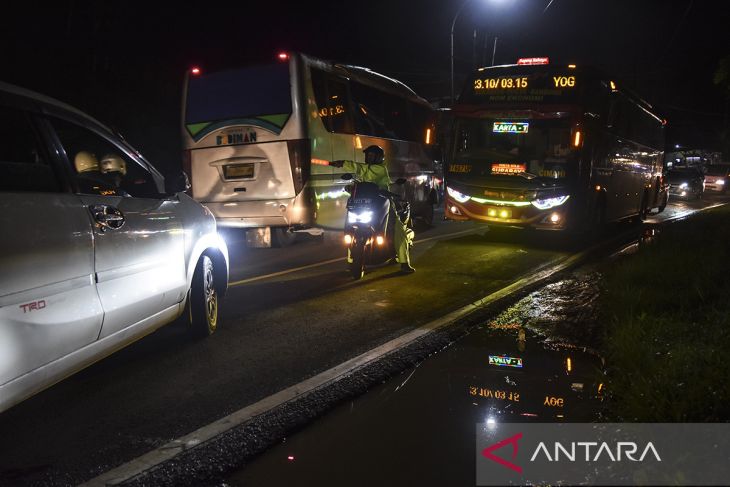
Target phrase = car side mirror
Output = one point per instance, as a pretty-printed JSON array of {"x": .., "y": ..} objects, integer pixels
[
  {"x": 347, "y": 176},
  {"x": 177, "y": 182},
  {"x": 400, "y": 181}
]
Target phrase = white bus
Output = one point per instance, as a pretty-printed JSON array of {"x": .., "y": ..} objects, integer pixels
[{"x": 258, "y": 141}]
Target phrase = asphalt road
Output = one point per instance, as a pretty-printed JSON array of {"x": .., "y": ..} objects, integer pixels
[{"x": 287, "y": 317}]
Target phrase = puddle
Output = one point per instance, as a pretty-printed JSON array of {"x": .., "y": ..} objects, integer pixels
[{"x": 534, "y": 362}]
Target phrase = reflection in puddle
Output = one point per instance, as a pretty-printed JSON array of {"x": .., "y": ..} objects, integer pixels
[{"x": 534, "y": 362}]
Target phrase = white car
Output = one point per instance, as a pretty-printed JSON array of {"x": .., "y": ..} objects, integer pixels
[{"x": 95, "y": 250}]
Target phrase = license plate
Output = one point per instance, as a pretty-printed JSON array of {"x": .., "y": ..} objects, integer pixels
[{"x": 238, "y": 171}]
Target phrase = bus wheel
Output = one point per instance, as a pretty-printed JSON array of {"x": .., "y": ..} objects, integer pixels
[
  {"x": 643, "y": 209},
  {"x": 281, "y": 237}
]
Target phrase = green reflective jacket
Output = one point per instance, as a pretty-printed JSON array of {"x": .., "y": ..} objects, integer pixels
[{"x": 371, "y": 173}]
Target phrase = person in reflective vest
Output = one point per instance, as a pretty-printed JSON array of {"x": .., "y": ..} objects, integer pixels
[{"x": 374, "y": 171}]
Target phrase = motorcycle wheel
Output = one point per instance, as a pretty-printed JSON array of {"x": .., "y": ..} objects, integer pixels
[{"x": 357, "y": 266}]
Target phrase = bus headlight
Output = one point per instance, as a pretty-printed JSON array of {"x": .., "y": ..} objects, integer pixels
[
  {"x": 362, "y": 217},
  {"x": 720, "y": 182},
  {"x": 547, "y": 203},
  {"x": 460, "y": 197}
]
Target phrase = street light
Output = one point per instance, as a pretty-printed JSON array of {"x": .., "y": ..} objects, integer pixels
[{"x": 453, "y": 23}]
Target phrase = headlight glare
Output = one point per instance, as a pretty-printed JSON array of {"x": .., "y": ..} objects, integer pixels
[
  {"x": 460, "y": 197},
  {"x": 547, "y": 203},
  {"x": 683, "y": 186},
  {"x": 362, "y": 217}
]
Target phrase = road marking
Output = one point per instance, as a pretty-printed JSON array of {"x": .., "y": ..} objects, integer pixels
[
  {"x": 338, "y": 259},
  {"x": 207, "y": 433}
]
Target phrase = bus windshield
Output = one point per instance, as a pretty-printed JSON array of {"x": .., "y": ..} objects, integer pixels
[
  {"x": 509, "y": 147},
  {"x": 239, "y": 94}
]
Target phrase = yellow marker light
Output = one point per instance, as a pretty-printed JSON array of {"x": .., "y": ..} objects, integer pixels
[
  {"x": 348, "y": 239},
  {"x": 576, "y": 140},
  {"x": 492, "y": 212},
  {"x": 598, "y": 187},
  {"x": 571, "y": 66},
  {"x": 379, "y": 240},
  {"x": 613, "y": 85},
  {"x": 503, "y": 214},
  {"x": 428, "y": 136},
  {"x": 569, "y": 365},
  {"x": 358, "y": 142},
  {"x": 555, "y": 218}
]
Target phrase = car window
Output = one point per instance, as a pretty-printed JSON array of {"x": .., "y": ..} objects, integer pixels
[
  {"x": 24, "y": 165},
  {"x": 100, "y": 166}
]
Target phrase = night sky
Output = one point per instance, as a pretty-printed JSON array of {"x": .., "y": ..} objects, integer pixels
[{"x": 123, "y": 61}]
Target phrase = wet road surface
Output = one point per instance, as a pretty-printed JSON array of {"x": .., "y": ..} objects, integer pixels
[
  {"x": 275, "y": 331},
  {"x": 418, "y": 428}
]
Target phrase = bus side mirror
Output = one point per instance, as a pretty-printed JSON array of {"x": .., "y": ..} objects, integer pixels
[{"x": 177, "y": 182}]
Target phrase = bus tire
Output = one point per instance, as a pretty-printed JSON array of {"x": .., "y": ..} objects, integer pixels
[{"x": 643, "y": 206}]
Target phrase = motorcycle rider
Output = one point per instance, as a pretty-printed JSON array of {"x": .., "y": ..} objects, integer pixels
[{"x": 374, "y": 171}]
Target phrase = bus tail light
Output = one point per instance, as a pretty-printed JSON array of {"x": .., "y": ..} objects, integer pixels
[
  {"x": 187, "y": 166},
  {"x": 300, "y": 160},
  {"x": 577, "y": 138}
]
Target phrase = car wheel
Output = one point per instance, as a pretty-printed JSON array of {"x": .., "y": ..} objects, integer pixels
[{"x": 203, "y": 302}]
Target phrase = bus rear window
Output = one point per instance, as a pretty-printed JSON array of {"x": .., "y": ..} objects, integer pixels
[{"x": 240, "y": 93}]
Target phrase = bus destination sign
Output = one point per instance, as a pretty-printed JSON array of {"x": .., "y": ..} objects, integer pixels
[
  {"x": 508, "y": 168},
  {"x": 510, "y": 127}
]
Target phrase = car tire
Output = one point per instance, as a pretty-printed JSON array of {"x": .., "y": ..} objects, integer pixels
[{"x": 203, "y": 300}]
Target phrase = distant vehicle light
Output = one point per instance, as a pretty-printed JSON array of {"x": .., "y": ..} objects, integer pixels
[
  {"x": 683, "y": 186},
  {"x": 613, "y": 85},
  {"x": 195, "y": 71},
  {"x": 283, "y": 56},
  {"x": 459, "y": 197},
  {"x": 533, "y": 60},
  {"x": 721, "y": 182}
]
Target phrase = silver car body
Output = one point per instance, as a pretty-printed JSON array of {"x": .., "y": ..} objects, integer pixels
[{"x": 71, "y": 290}]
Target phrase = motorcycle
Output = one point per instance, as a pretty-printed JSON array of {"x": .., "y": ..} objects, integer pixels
[{"x": 369, "y": 227}]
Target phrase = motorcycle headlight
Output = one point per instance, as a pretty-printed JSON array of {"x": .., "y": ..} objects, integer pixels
[
  {"x": 683, "y": 186},
  {"x": 460, "y": 197},
  {"x": 362, "y": 217},
  {"x": 547, "y": 203}
]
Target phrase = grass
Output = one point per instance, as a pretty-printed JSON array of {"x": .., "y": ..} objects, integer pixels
[{"x": 667, "y": 339}]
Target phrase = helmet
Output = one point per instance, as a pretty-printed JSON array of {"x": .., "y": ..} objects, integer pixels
[
  {"x": 113, "y": 163},
  {"x": 85, "y": 162},
  {"x": 374, "y": 155}
]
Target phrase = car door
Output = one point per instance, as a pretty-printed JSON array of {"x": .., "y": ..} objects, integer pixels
[
  {"x": 49, "y": 305},
  {"x": 138, "y": 235}
]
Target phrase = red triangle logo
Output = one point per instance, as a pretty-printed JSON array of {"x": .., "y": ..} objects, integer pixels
[{"x": 487, "y": 452}]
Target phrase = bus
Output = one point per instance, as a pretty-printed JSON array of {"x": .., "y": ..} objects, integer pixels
[
  {"x": 258, "y": 141},
  {"x": 552, "y": 147}
]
